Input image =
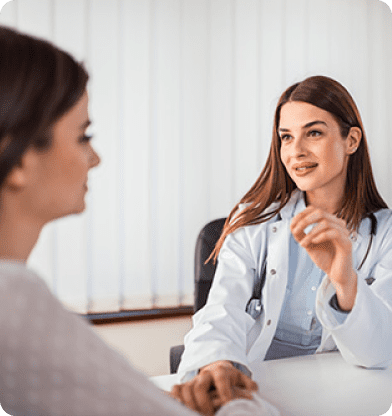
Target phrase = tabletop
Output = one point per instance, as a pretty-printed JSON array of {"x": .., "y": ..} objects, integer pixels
[{"x": 318, "y": 385}]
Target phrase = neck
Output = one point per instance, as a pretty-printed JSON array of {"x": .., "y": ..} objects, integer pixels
[
  {"x": 17, "y": 236},
  {"x": 324, "y": 200}
]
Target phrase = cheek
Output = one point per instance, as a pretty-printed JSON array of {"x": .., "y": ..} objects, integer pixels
[
  {"x": 336, "y": 154},
  {"x": 282, "y": 156},
  {"x": 73, "y": 169},
  {"x": 334, "y": 160},
  {"x": 78, "y": 160}
]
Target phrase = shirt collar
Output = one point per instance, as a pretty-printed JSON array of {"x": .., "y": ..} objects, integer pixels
[
  {"x": 289, "y": 210},
  {"x": 300, "y": 204}
]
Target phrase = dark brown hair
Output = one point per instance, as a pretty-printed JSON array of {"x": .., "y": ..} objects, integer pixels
[
  {"x": 275, "y": 185},
  {"x": 38, "y": 84}
]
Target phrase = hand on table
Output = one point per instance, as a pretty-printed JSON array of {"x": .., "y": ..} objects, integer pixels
[
  {"x": 329, "y": 246},
  {"x": 215, "y": 385}
]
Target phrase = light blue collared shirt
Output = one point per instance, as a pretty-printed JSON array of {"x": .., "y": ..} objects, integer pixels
[{"x": 299, "y": 331}]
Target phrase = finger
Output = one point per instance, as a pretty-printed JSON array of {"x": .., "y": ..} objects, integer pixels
[
  {"x": 203, "y": 393},
  {"x": 251, "y": 385},
  {"x": 312, "y": 214},
  {"x": 326, "y": 231},
  {"x": 215, "y": 400},
  {"x": 187, "y": 396},
  {"x": 216, "y": 403},
  {"x": 311, "y": 223},
  {"x": 241, "y": 393},
  {"x": 306, "y": 218},
  {"x": 246, "y": 382},
  {"x": 176, "y": 392},
  {"x": 223, "y": 380},
  {"x": 304, "y": 227},
  {"x": 325, "y": 237},
  {"x": 303, "y": 214},
  {"x": 314, "y": 232}
]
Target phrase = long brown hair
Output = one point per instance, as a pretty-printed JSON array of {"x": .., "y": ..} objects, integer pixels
[
  {"x": 38, "y": 84},
  {"x": 275, "y": 185}
]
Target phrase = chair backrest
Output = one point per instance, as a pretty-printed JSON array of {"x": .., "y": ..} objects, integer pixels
[{"x": 204, "y": 273}]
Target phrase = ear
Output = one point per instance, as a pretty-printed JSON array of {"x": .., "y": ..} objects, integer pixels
[
  {"x": 353, "y": 140},
  {"x": 15, "y": 179},
  {"x": 22, "y": 172}
]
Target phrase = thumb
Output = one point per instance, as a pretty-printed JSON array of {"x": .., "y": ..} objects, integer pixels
[{"x": 248, "y": 383}]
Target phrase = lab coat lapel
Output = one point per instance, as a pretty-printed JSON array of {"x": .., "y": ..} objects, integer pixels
[
  {"x": 274, "y": 290},
  {"x": 278, "y": 237}
]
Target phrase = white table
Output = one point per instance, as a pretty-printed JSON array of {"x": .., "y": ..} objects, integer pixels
[{"x": 318, "y": 385}]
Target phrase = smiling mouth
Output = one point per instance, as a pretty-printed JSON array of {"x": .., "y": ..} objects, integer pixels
[{"x": 304, "y": 168}]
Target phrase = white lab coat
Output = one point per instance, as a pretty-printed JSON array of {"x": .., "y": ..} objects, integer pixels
[{"x": 222, "y": 330}]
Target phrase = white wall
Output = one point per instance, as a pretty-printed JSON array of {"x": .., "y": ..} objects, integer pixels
[{"x": 182, "y": 99}]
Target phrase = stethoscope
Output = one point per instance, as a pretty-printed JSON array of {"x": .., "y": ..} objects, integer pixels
[{"x": 373, "y": 231}]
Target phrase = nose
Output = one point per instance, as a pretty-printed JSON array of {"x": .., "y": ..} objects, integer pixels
[
  {"x": 299, "y": 148},
  {"x": 95, "y": 160}
]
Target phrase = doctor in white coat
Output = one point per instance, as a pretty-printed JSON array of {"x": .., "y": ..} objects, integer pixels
[{"x": 315, "y": 235}]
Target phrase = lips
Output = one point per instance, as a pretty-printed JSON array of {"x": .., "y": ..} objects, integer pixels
[
  {"x": 302, "y": 169},
  {"x": 304, "y": 166}
]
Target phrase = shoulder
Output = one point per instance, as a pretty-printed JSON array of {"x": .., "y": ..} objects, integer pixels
[
  {"x": 384, "y": 222},
  {"x": 383, "y": 237},
  {"x": 254, "y": 229},
  {"x": 16, "y": 280},
  {"x": 286, "y": 212},
  {"x": 248, "y": 240},
  {"x": 383, "y": 215},
  {"x": 13, "y": 271},
  {"x": 271, "y": 208}
]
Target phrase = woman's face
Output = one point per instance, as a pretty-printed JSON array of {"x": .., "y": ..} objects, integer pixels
[
  {"x": 313, "y": 150},
  {"x": 58, "y": 176}
]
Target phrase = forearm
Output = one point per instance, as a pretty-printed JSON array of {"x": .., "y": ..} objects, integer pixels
[
  {"x": 215, "y": 336},
  {"x": 365, "y": 336},
  {"x": 346, "y": 292}
]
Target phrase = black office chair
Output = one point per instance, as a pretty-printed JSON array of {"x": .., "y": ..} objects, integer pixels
[{"x": 204, "y": 274}]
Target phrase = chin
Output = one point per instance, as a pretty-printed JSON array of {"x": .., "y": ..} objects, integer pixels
[
  {"x": 301, "y": 187},
  {"x": 305, "y": 186},
  {"x": 81, "y": 208},
  {"x": 75, "y": 211}
]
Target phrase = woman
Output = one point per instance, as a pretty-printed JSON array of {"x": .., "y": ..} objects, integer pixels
[
  {"x": 312, "y": 231},
  {"x": 51, "y": 362}
]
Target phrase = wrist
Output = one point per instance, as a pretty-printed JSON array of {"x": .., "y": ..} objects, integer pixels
[
  {"x": 245, "y": 370},
  {"x": 346, "y": 293},
  {"x": 214, "y": 364}
]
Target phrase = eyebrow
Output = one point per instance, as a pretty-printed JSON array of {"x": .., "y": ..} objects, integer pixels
[{"x": 306, "y": 126}]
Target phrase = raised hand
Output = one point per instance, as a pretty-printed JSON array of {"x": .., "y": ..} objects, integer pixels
[{"x": 329, "y": 245}]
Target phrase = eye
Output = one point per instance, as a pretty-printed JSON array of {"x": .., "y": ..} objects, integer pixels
[
  {"x": 85, "y": 138},
  {"x": 314, "y": 133},
  {"x": 285, "y": 137}
]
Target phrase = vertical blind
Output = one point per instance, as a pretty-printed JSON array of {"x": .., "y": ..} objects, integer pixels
[{"x": 182, "y": 96}]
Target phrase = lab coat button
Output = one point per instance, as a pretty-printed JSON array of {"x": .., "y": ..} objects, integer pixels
[
  {"x": 273, "y": 272},
  {"x": 269, "y": 322},
  {"x": 274, "y": 229}
]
